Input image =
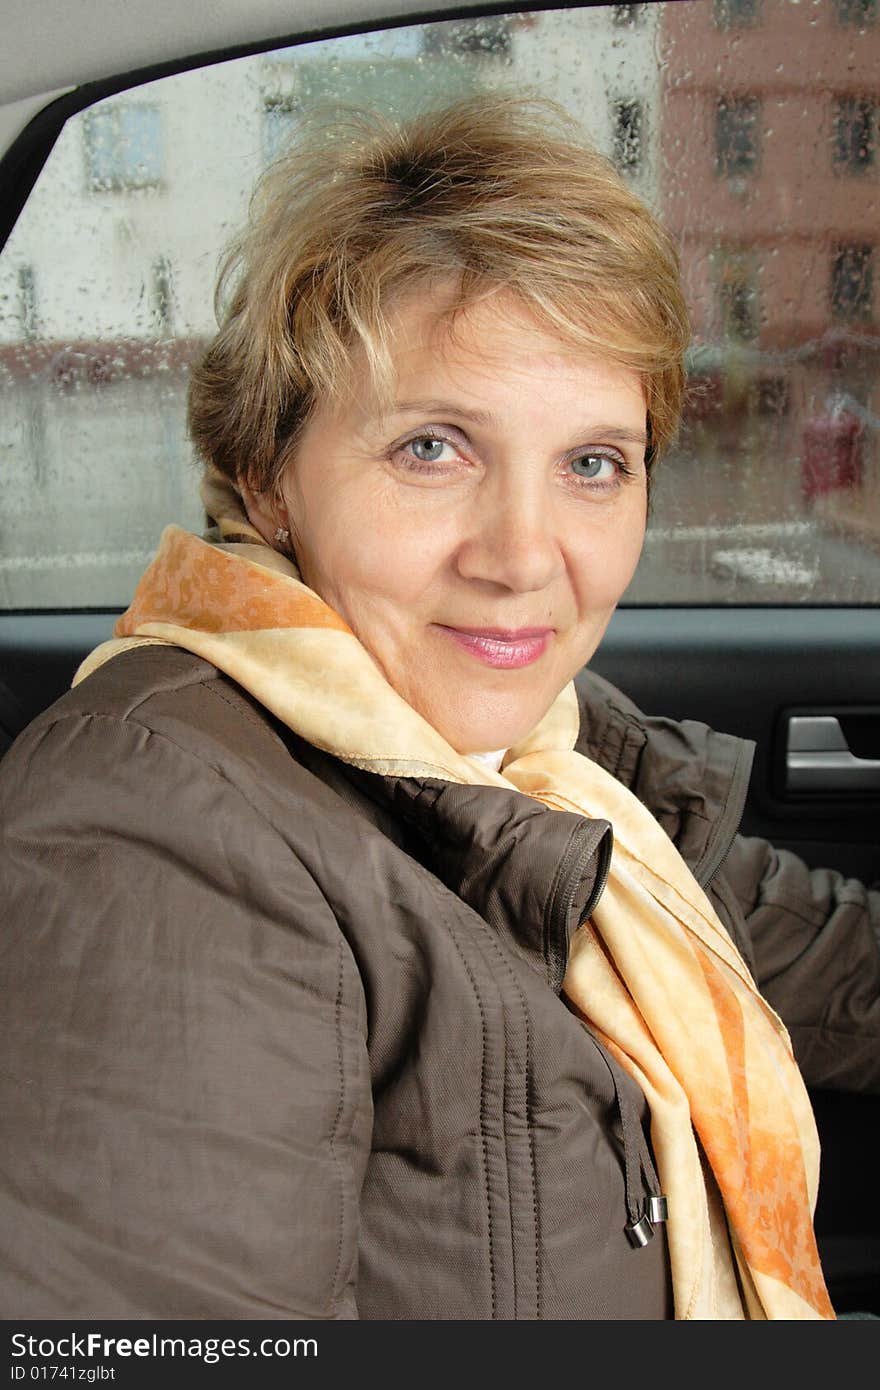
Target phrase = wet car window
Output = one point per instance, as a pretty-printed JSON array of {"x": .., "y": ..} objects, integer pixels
[{"x": 751, "y": 126}]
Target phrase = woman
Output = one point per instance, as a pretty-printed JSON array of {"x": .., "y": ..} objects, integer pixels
[{"x": 328, "y": 997}]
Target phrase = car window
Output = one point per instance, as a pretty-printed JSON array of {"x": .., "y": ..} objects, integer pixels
[{"x": 751, "y": 126}]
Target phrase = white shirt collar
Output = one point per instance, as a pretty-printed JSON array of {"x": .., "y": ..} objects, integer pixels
[{"x": 491, "y": 760}]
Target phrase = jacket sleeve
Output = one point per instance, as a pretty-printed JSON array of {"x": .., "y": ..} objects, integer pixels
[
  {"x": 185, "y": 1088},
  {"x": 815, "y": 943}
]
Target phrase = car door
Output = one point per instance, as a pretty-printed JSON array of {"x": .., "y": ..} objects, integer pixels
[{"x": 752, "y": 127}]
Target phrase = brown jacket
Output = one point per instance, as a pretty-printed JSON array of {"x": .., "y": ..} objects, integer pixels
[{"x": 282, "y": 1039}]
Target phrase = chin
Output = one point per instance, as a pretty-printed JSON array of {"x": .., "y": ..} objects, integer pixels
[
  {"x": 486, "y": 735},
  {"x": 481, "y": 719}
]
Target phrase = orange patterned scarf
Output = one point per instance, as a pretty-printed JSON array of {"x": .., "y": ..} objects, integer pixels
[{"x": 653, "y": 973}]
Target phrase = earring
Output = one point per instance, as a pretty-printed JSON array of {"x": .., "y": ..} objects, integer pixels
[{"x": 282, "y": 535}]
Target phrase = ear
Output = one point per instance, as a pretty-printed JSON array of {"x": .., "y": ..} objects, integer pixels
[{"x": 263, "y": 514}]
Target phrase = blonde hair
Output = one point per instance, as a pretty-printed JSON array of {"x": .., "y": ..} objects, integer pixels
[{"x": 497, "y": 192}]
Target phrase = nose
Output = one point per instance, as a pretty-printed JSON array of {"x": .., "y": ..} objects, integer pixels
[{"x": 512, "y": 541}]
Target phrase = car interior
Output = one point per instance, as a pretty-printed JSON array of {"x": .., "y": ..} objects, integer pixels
[{"x": 128, "y": 150}]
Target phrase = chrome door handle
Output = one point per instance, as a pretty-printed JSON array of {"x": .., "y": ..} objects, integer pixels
[{"x": 818, "y": 758}]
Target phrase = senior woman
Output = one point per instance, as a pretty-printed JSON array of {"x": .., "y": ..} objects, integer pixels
[{"x": 359, "y": 965}]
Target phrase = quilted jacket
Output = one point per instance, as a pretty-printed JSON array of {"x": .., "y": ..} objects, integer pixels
[{"x": 282, "y": 1039}]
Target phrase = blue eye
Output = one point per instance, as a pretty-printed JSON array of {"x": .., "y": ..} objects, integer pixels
[
  {"x": 427, "y": 449},
  {"x": 591, "y": 465}
]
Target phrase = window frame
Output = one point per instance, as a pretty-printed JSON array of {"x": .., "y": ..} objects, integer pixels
[
  {"x": 852, "y": 263},
  {"x": 845, "y": 133},
  {"x": 628, "y": 147},
  {"x": 737, "y": 14},
  {"x": 747, "y": 112},
  {"x": 126, "y": 175}
]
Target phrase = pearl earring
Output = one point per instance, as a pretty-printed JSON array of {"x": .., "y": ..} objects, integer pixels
[{"x": 282, "y": 535}]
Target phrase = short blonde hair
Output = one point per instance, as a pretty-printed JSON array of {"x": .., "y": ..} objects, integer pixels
[{"x": 496, "y": 191}]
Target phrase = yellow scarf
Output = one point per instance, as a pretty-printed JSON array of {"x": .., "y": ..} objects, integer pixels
[{"x": 653, "y": 973}]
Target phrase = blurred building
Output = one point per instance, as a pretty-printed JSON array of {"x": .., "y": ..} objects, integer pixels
[
  {"x": 771, "y": 183},
  {"x": 143, "y": 190}
]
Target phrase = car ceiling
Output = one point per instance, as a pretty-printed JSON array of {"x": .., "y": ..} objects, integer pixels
[{"x": 50, "y": 46}]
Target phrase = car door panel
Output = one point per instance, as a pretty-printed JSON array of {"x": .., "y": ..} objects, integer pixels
[{"x": 746, "y": 671}]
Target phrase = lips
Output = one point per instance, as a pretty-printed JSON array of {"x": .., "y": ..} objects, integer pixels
[
  {"x": 502, "y": 648},
  {"x": 504, "y": 634}
]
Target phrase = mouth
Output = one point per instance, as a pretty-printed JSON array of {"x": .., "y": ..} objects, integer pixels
[{"x": 502, "y": 648}]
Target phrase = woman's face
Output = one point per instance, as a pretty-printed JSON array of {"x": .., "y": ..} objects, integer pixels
[{"x": 478, "y": 536}]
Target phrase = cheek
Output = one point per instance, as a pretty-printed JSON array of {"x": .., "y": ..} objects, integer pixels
[
  {"x": 607, "y": 560},
  {"x": 633, "y": 538},
  {"x": 363, "y": 561},
  {"x": 630, "y": 554}
]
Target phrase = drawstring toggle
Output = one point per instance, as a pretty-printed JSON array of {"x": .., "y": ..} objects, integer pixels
[
  {"x": 639, "y": 1232},
  {"x": 657, "y": 1209}
]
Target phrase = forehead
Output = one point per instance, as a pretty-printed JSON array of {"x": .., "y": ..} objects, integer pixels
[
  {"x": 492, "y": 348},
  {"x": 482, "y": 332}
]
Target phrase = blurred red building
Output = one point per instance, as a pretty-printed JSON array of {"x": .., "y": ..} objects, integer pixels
[{"x": 770, "y": 180}]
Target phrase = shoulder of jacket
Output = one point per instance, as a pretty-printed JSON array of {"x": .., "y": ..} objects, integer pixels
[
  {"x": 128, "y": 682},
  {"x": 693, "y": 778},
  {"x": 169, "y": 692},
  {"x": 606, "y": 712},
  {"x": 613, "y": 730}
]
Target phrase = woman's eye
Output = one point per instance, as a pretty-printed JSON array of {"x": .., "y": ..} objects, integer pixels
[
  {"x": 595, "y": 466},
  {"x": 427, "y": 449},
  {"x": 431, "y": 455}
]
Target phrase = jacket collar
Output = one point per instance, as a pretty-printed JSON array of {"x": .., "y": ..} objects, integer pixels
[
  {"x": 534, "y": 874},
  {"x": 693, "y": 779},
  {"x": 531, "y": 873}
]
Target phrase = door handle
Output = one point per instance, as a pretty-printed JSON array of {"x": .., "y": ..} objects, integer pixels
[{"x": 818, "y": 758}]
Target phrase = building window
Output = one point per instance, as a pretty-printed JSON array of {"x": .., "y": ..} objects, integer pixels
[
  {"x": 280, "y": 118},
  {"x": 626, "y": 16},
  {"x": 737, "y": 129},
  {"x": 856, "y": 14},
  {"x": 628, "y": 135},
  {"x": 737, "y": 279},
  {"x": 736, "y": 14},
  {"x": 773, "y": 395},
  {"x": 27, "y": 302},
  {"x": 854, "y": 134},
  {"x": 478, "y": 38},
  {"x": 163, "y": 295},
  {"x": 123, "y": 147},
  {"x": 852, "y": 282}
]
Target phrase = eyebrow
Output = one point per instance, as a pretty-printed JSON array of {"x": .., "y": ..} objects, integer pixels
[{"x": 484, "y": 417}]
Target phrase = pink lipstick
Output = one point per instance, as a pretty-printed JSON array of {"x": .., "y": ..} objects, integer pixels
[{"x": 505, "y": 649}]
